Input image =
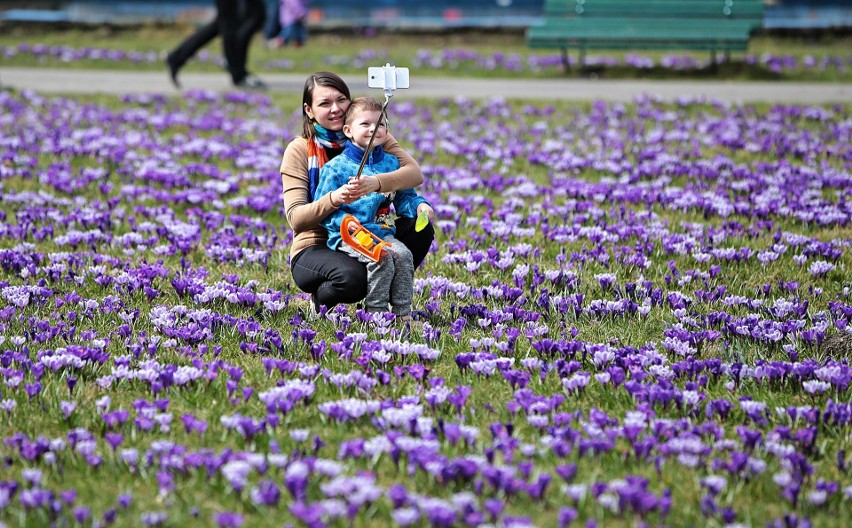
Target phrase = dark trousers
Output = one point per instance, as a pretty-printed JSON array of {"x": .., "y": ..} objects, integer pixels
[
  {"x": 272, "y": 26},
  {"x": 336, "y": 278},
  {"x": 236, "y": 21}
]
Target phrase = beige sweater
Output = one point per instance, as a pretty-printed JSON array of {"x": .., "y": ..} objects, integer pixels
[{"x": 305, "y": 216}]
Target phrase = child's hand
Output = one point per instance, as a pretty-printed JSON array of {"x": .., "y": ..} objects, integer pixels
[
  {"x": 346, "y": 193},
  {"x": 429, "y": 211},
  {"x": 365, "y": 185}
]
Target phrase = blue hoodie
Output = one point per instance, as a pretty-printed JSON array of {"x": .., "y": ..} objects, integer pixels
[{"x": 371, "y": 210}]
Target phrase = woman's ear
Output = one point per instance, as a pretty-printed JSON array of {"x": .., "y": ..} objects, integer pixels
[{"x": 308, "y": 111}]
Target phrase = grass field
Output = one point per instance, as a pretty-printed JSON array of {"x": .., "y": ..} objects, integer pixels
[
  {"x": 470, "y": 53},
  {"x": 632, "y": 314}
]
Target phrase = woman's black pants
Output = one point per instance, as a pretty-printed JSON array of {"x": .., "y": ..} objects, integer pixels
[{"x": 335, "y": 278}]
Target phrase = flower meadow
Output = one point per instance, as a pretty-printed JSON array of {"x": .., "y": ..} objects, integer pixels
[
  {"x": 448, "y": 59},
  {"x": 632, "y": 315}
]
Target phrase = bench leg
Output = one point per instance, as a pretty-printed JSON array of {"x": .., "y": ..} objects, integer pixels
[{"x": 566, "y": 64}]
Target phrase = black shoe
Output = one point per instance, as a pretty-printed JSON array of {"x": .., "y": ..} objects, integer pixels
[
  {"x": 173, "y": 70},
  {"x": 251, "y": 82}
]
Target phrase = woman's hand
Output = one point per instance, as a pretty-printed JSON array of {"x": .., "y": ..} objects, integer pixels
[
  {"x": 429, "y": 211},
  {"x": 365, "y": 185}
]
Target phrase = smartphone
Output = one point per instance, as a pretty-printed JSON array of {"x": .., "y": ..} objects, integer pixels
[{"x": 387, "y": 77}]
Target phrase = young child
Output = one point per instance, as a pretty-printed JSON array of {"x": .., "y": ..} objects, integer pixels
[
  {"x": 292, "y": 16},
  {"x": 391, "y": 280}
]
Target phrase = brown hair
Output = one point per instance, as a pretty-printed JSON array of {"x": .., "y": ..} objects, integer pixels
[
  {"x": 362, "y": 104},
  {"x": 321, "y": 78}
]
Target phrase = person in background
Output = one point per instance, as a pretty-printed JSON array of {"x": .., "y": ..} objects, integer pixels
[
  {"x": 293, "y": 14},
  {"x": 390, "y": 280},
  {"x": 272, "y": 25},
  {"x": 332, "y": 277},
  {"x": 236, "y": 21}
]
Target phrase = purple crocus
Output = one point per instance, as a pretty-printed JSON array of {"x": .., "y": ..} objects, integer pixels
[
  {"x": 82, "y": 514},
  {"x": 266, "y": 493},
  {"x": 228, "y": 519}
]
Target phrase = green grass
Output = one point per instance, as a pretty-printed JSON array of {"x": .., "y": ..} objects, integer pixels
[
  {"x": 756, "y": 499},
  {"x": 346, "y": 52}
]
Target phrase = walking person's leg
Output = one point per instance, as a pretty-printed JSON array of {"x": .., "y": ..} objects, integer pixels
[
  {"x": 229, "y": 24},
  {"x": 272, "y": 25},
  {"x": 189, "y": 47},
  {"x": 250, "y": 22}
]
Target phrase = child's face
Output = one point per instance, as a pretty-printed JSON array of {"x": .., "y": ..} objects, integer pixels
[{"x": 361, "y": 127}]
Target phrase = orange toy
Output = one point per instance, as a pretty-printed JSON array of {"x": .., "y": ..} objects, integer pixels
[{"x": 361, "y": 239}]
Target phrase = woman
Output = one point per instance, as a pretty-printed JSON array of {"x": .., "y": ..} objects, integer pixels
[{"x": 332, "y": 277}]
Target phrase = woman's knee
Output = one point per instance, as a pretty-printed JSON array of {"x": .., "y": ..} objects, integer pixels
[
  {"x": 420, "y": 243},
  {"x": 349, "y": 282},
  {"x": 352, "y": 289}
]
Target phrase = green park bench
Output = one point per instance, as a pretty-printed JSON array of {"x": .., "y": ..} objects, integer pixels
[{"x": 712, "y": 25}]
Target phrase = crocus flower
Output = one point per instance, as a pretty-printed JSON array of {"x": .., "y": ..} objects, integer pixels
[{"x": 228, "y": 519}]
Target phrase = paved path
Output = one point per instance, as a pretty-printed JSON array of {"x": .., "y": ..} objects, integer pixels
[{"x": 51, "y": 80}]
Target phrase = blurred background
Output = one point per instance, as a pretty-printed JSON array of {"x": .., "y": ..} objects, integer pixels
[{"x": 389, "y": 14}]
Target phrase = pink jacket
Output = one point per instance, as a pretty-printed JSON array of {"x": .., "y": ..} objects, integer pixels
[{"x": 292, "y": 11}]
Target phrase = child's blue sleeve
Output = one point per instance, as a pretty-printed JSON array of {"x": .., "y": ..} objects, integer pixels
[{"x": 406, "y": 202}]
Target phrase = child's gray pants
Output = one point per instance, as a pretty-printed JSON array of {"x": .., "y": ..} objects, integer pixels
[{"x": 390, "y": 280}]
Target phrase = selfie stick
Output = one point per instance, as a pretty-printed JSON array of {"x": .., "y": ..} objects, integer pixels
[
  {"x": 351, "y": 231},
  {"x": 389, "y": 86}
]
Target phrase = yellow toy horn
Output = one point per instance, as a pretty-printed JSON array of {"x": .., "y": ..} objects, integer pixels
[{"x": 361, "y": 239}]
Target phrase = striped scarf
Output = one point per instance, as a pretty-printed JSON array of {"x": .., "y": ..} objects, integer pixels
[{"x": 317, "y": 156}]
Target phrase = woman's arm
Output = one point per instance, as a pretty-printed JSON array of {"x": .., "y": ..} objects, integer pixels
[
  {"x": 302, "y": 213},
  {"x": 333, "y": 175}
]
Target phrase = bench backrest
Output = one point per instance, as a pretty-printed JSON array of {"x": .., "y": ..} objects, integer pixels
[{"x": 711, "y": 9}]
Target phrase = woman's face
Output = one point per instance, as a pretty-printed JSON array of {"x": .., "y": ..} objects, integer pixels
[{"x": 328, "y": 107}]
